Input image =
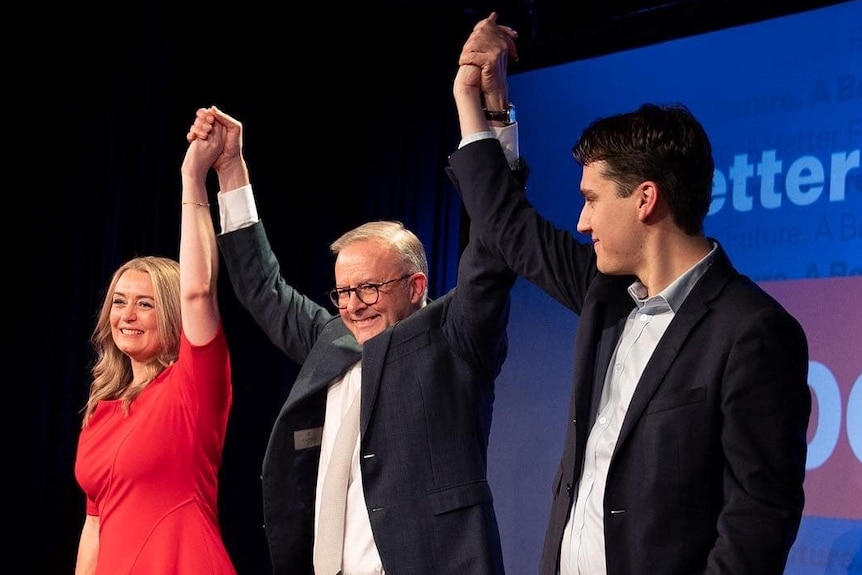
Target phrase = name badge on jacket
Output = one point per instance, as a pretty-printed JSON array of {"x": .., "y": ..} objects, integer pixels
[{"x": 305, "y": 438}]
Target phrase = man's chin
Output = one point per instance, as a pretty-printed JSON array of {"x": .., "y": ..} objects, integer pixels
[{"x": 365, "y": 330}]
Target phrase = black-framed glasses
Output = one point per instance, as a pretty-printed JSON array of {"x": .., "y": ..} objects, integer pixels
[{"x": 368, "y": 293}]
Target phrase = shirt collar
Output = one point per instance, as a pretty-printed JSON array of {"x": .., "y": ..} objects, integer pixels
[{"x": 673, "y": 295}]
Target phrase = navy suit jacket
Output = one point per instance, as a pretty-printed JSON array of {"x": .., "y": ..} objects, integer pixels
[
  {"x": 707, "y": 474},
  {"x": 426, "y": 405}
]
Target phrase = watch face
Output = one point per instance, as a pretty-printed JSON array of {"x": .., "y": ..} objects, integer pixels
[{"x": 511, "y": 111}]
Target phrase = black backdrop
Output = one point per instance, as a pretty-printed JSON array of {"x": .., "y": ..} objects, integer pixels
[
  {"x": 343, "y": 123},
  {"x": 348, "y": 117}
]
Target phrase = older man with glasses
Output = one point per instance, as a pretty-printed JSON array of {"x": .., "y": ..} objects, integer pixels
[
  {"x": 368, "y": 293},
  {"x": 401, "y": 385}
]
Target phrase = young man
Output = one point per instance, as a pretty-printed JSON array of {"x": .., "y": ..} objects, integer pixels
[{"x": 686, "y": 444}]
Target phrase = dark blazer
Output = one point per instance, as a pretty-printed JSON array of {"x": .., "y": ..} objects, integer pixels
[
  {"x": 427, "y": 399},
  {"x": 707, "y": 473}
]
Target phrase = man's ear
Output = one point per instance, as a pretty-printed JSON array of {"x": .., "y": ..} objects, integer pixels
[
  {"x": 418, "y": 287},
  {"x": 648, "y": 196}
]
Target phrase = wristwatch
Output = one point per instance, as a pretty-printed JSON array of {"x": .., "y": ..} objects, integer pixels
[{"x": 506, "y": 116}]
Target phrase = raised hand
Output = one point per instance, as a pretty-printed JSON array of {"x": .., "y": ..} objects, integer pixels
[
  {"x": 229, "y": 164},
  {"x": 204, "y": 150},
  {"x": 206, "y": 120},
  {"x": 484, "y": 61}
]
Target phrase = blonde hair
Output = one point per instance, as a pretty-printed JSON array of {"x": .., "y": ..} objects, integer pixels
[
  {"x": 112, "y": 369},
  {"x": 409, "y": 248}
]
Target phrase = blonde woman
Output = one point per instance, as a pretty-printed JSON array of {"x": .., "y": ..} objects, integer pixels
[{"x": 154, "y": 425}]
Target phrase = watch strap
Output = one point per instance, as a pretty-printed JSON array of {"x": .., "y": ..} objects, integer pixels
[{"x": 507, "y": 116}]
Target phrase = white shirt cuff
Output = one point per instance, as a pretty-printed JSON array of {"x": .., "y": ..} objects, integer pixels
[
  {"x": 506, "y": 135},
  {"x": 236, "y": 209}
]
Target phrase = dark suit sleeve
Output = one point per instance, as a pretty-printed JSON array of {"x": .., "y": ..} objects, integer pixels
[
  {"x": 479, "y": 313},
  {"x": 495, "y": 199},
  {"x": 765, "y": 409},
  {"x": 291, "y": 320}
]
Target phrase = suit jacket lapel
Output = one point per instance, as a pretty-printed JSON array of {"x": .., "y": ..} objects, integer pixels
[
  {"x": 325, "y": 363},
  {"x": 658, "y": 365},
  {"x": 693, "y": 309},
  {"x": 607, "y": 344},
  {"x": 613, "y": 307},
  {"x": 373, "y": 358}
]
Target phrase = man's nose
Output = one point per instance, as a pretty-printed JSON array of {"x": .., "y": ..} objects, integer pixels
[
  {"x": 353, "y": 301},
  {"x": 583, "y": 225}
]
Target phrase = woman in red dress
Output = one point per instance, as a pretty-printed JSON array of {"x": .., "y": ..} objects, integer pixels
[{"x": 154, "y": 425}]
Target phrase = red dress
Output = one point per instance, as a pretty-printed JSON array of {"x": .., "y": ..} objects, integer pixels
[{"x": 152, "y": 476}]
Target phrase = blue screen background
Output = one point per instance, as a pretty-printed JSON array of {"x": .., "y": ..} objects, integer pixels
[{"x": 782, "y": 102}]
